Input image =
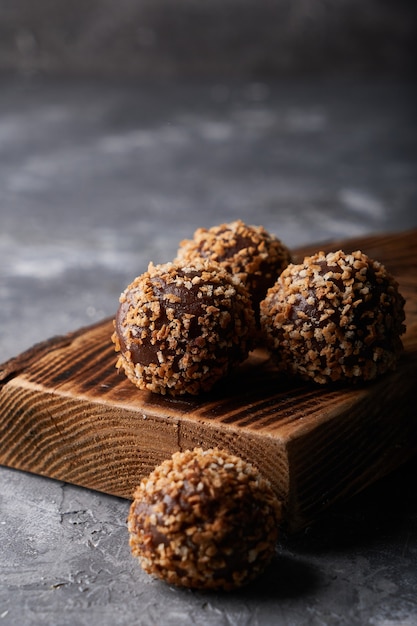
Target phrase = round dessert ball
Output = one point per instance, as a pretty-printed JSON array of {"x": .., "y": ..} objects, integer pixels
[
  {"x": 180, "y": 328},
  {"x": 204, "y": 519},
  {"x": 334, "y": 317},
  {"x": 249, "y": 252}
]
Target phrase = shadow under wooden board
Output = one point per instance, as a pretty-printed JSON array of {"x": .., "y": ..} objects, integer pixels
[{"x": 66, "y": 413}]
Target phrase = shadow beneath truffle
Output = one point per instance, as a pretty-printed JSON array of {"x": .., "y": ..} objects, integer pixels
[
  {"x": 382, "y": 512},
  {"x": 285, "y": 577}
]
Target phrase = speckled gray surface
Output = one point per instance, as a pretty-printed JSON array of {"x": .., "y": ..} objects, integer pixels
[{"x": 98, "y": 178}]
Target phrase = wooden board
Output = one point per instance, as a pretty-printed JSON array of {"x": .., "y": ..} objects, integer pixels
[{"x": 66, "y": 413}]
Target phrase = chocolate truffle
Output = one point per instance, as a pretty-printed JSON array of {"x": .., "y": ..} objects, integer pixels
[
  {"x": 249, "y": 252},
  {"x": 180, "y": 328},
  {"x": 204, "y": 519},
  {"x": 334, "y": 317}
]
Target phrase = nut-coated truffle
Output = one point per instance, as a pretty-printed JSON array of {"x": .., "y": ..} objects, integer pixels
[
  {"x": 204, "y": 519},
  {"x": 250, "y": 252},
  {"x": 180, "y": 328},
  {"x": 334, "y": 317}
]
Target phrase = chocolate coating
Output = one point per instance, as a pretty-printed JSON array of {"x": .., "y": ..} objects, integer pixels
[
  {"x": 205, "y": 520},
  {"x": 334, "y": 317},
  {"x": 250, "y": 252},
  {"x": 180, "y": 328}
]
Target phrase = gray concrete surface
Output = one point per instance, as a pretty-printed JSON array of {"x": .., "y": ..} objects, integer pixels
[{"x": 99, "y": 177}]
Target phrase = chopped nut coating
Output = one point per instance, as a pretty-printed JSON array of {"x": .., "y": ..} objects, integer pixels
[
  {"x": 180, "y": 327},
  {"x": 334, "y": 317},
  {"x": 204, "y": 519},
  {"x": 249, "y": 252}
]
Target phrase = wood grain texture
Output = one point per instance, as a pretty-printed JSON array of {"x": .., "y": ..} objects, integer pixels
[{"x": 66, "y": 413}]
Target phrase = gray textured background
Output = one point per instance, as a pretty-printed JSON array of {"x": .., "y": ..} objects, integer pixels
[
  {"x": 221, "y": 38},
  {"x": 124, "y": 126}
]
